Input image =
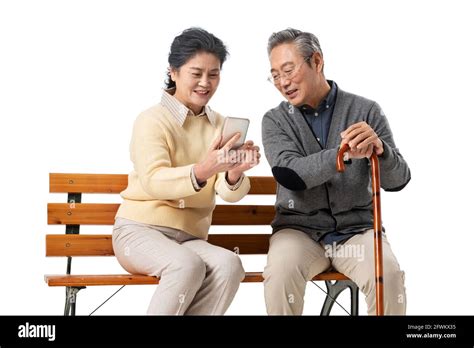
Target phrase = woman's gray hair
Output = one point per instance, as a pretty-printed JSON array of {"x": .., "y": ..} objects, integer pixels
[{"x": 306, "y": 43}]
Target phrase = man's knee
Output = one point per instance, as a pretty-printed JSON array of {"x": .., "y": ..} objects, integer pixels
[
  {"x": 284, "y": 285},
  {"x": 285, "y": 269},
  {"x": 393, "y": 278}
]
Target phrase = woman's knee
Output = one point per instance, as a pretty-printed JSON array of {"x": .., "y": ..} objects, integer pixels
[
  {"x": 230, "y": 267},
  {"x": 189, "y": 266}
]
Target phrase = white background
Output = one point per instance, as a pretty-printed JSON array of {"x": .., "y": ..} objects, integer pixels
[{"x": 75, "y": 74}]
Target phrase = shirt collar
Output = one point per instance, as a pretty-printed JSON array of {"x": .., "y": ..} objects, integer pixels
[
  {"x": 331, "y": 97},
  {"x": 179, "y": 111},
  {"x": 326, "y": 103}
]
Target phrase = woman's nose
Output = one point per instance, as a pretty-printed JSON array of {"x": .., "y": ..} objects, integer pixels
[{"x": 204, "y": 81}]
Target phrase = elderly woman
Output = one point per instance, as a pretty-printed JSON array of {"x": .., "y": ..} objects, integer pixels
[{"x": 162, "y": 225}]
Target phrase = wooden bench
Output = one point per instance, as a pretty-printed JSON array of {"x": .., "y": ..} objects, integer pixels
[{"x": 73, "y": 214}]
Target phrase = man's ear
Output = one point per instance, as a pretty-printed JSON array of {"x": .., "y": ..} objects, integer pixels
[{"x": 318, "y": 61}]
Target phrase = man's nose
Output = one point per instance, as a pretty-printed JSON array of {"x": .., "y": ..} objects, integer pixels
[{"x": 284, "y": 81}]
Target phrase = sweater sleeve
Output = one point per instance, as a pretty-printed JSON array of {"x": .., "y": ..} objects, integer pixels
[
  {"x": 394, "y": 171},
  {"x": 226, "y": 193},
  {"x": 150, "y": 154},
  {"x": 290, "y": 167}
]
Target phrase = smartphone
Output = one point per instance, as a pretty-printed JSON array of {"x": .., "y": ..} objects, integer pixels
[{"x": 233, "y": 125}]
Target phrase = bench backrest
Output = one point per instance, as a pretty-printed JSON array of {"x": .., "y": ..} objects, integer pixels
[{"x": 74, "y": 214}]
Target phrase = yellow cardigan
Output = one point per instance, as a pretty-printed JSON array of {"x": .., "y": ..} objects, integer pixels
[{"x": 160, "y": 190}]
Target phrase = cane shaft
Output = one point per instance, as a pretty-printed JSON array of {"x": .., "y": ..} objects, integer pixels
[
  {"x": 378, "y": 249},
  {"x": 378, "y": 253}
]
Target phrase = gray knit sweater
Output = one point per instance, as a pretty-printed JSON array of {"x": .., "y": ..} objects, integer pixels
[{"x": 311, "y": 195}]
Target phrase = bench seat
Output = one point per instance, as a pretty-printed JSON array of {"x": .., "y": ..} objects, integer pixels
[{"x": 138, "y": 279}]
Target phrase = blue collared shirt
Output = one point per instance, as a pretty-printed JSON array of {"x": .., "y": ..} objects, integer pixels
[{"x": 319, "y": 120}]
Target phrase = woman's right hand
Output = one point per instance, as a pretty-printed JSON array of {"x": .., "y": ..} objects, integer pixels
[{"x": 217, "y": 160}]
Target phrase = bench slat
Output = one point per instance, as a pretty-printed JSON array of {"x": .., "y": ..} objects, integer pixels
[
  {"x": 101, "y": 245},
  {"x": 87, "y": 183},
  {"x": 116, "y": 183},
  {"x": 137, "y": 279},
  {"x": 104, "y": 214}
]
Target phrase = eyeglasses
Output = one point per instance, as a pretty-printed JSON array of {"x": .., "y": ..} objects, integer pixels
[{"x": 287, "y": 75}]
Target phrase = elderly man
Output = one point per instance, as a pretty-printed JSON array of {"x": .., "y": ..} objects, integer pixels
[{"x": 323, "y": 216}]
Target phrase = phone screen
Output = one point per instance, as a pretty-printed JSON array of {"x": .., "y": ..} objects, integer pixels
[{"x": 233, "y": 125}]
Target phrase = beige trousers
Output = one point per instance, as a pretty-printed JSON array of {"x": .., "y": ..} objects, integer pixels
[
  {"x": 197, "y": 278},
  {"x": 294, "y": 258}
]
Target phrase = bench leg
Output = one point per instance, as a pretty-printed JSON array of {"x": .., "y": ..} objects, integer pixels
[
  {"x": 71, "y": 297},
  {"x": 333, "y": 291},
  {"x": 354, "y": 298}
]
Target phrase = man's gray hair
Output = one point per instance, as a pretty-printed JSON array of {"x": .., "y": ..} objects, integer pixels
[{"x": 306, "y": 43}]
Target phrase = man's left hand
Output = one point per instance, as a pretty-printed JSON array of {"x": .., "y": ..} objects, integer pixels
[{"x": 360, "y": 136}]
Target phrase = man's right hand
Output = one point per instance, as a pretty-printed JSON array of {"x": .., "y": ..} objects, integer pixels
[
  {"x": 217, "y": 160},
  {"x": 365, "y": 152}
]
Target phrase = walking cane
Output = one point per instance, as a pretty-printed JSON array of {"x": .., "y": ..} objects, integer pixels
[{"x": 377, "y": 222}]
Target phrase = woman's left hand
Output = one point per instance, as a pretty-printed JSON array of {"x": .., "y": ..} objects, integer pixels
[{"x": 248, "y": 156}]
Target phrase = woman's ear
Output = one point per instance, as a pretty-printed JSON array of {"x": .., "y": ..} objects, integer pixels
[{"x": 173, "y": 73}]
